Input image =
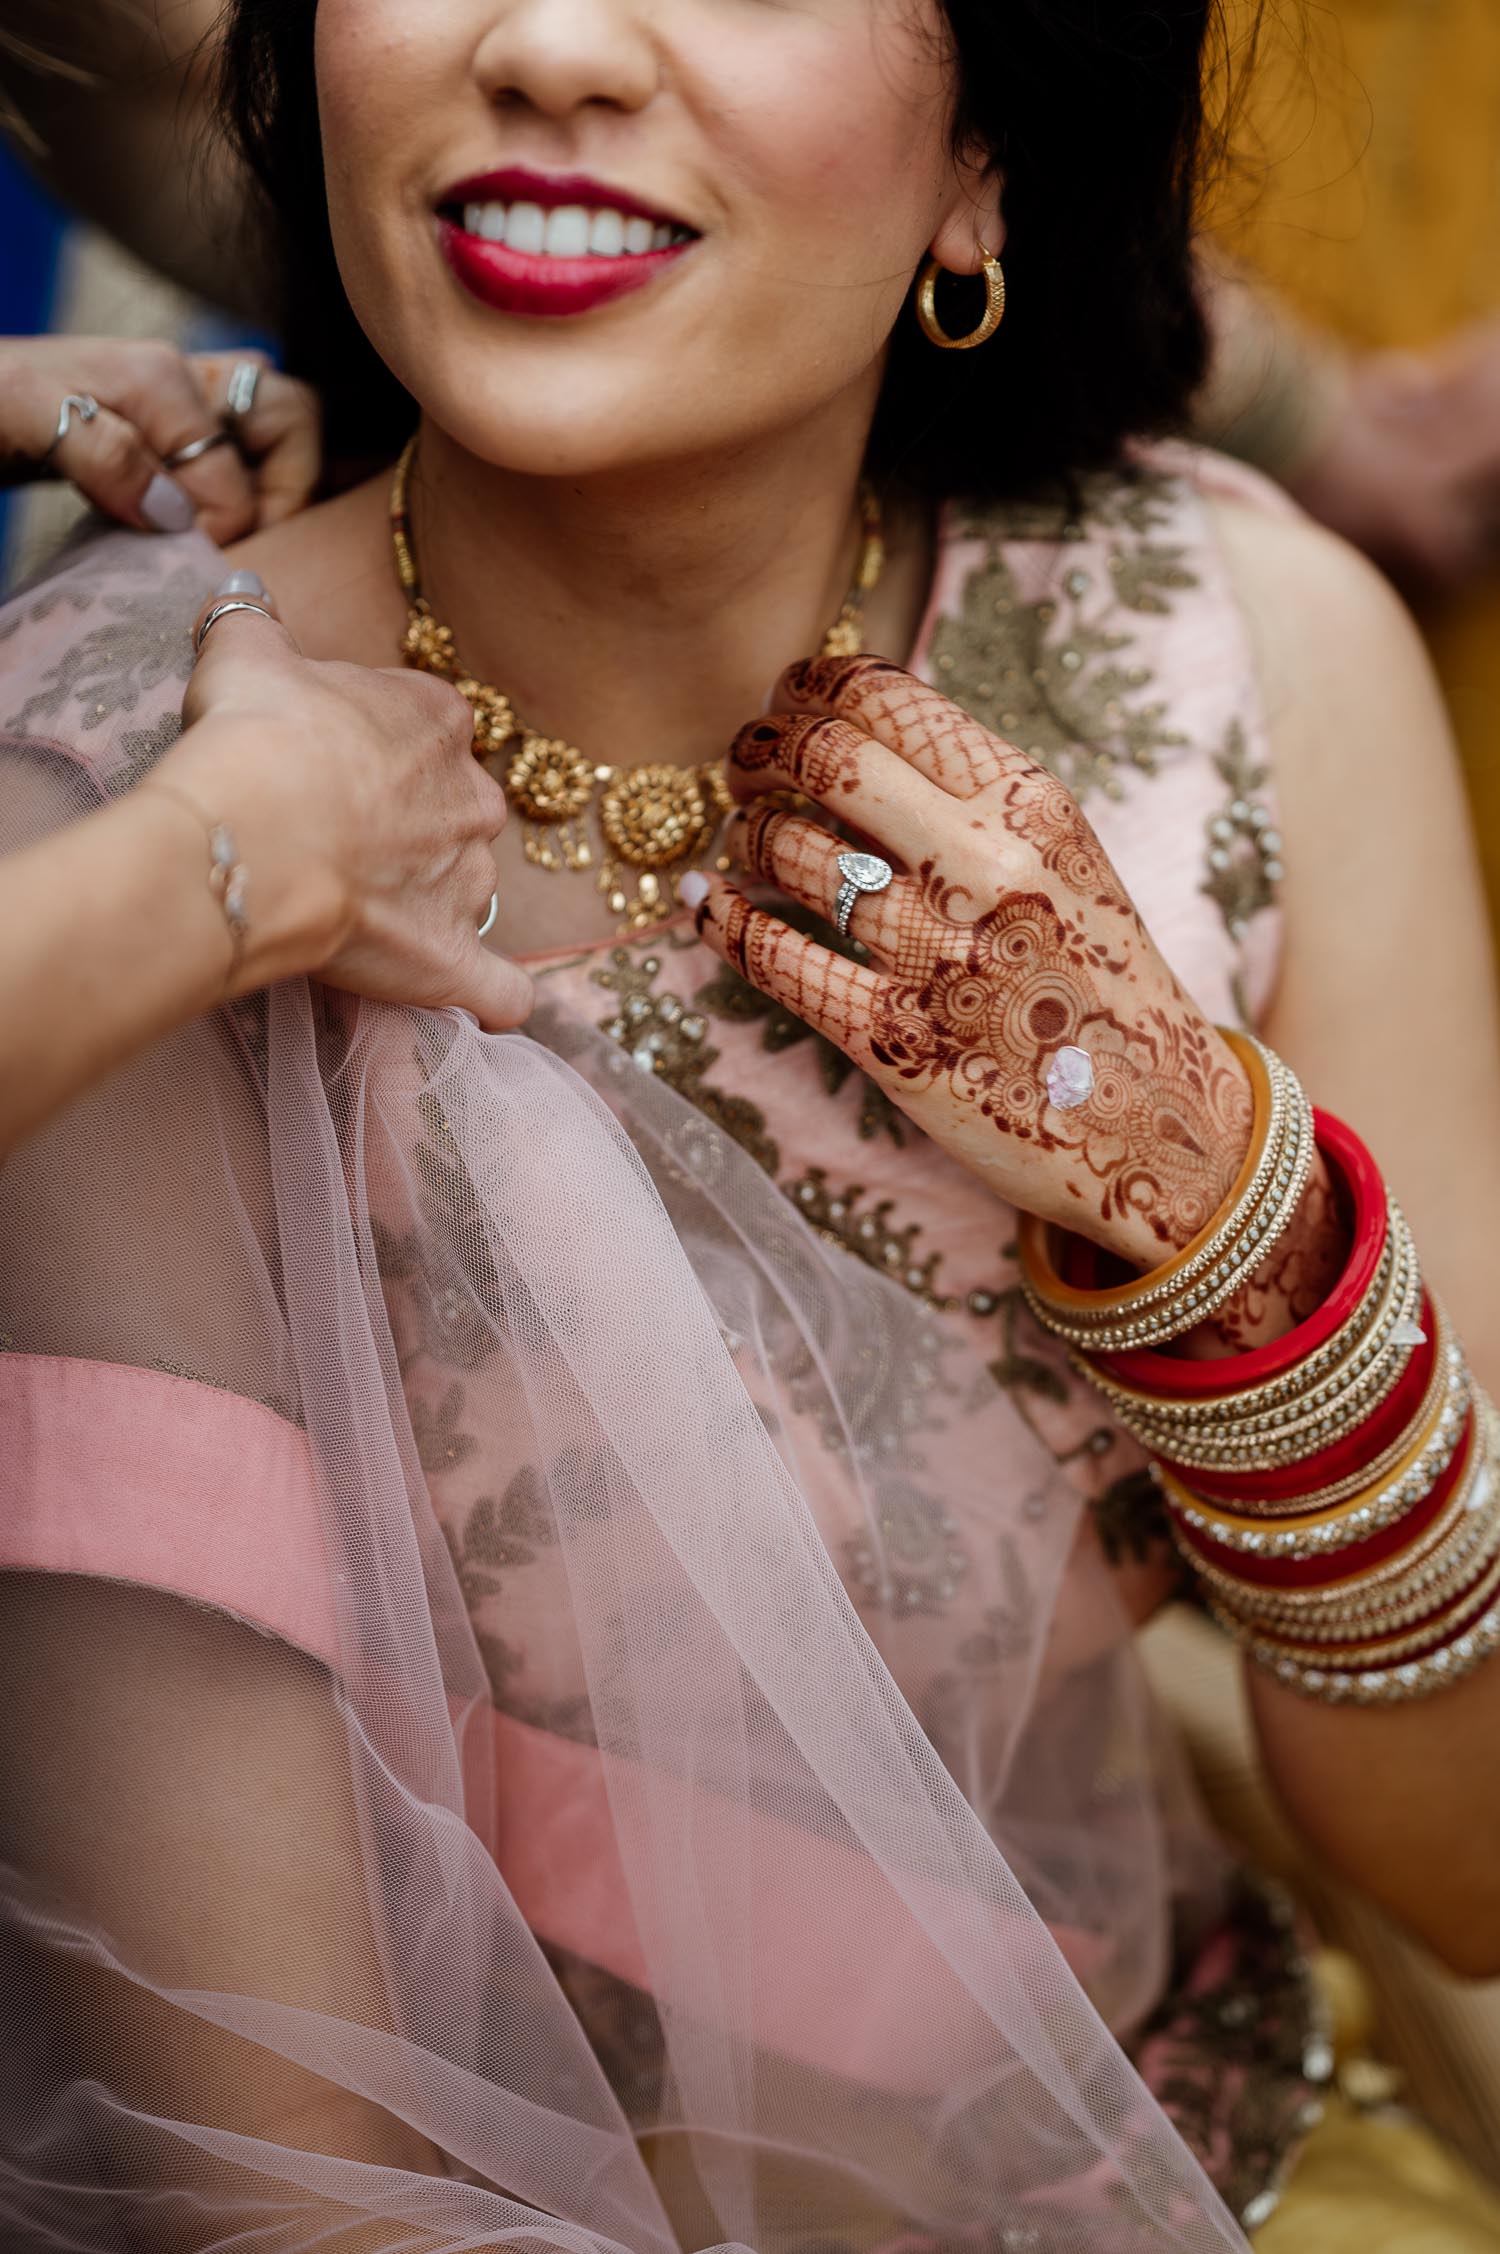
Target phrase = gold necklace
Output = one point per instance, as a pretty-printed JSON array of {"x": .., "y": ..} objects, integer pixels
[{"x": 654, "y": 821}]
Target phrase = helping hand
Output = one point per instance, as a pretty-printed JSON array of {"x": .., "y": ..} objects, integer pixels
[{"x": 362, "y": 816}]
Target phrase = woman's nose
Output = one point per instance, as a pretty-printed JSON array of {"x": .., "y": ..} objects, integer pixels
[{"x": 558, "y": 56}]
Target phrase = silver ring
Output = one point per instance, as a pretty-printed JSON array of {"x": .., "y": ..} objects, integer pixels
[
  {"x": 492, "y": 918},
  {"x": 244, "y": 383},
  {"x": 196, "y": 449},
  {"x": 861, "y": 872},
  {"x": 222, "y": 610},
  {"x": 79, "y": 403}
]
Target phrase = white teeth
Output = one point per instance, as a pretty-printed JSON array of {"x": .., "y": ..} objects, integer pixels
[
  {"x": 607, "y": 234},
  {"x": 525, "y": 227},
  {"x": 567, "y": 234},
  {"x": 569, "y": 230}
]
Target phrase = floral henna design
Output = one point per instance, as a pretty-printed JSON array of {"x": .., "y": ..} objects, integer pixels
[
  {"x": 1043, "y": 814},
  {"x": 1007, "y": 937},
  {"x": 984, "y": 1017}
]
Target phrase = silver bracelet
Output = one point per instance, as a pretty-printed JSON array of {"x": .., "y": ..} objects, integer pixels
[{"x": 228, "y": 878}]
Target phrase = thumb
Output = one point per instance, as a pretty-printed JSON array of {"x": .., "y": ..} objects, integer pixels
[
  {"x": 250, "y": 631},
  {"x": 498, "y": 991}
]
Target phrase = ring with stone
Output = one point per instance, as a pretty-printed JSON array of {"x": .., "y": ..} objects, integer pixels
[
  {"x": 79, "y": 403},
  {"x": 1070, "y": 1079},
  {"x": 861, "y": 872}
]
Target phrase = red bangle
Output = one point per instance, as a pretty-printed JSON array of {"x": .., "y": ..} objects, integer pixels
[
  {"x": 1171, "y": 1378},
  {"x": 1343, "y": 1458},
  {"x": 1338, "y": 1565}
]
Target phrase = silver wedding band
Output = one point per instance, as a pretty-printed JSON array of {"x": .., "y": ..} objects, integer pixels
[
  {"x": 196, "y": 449},
  {"x": 244, "y": 383},
  {"x": 492, "y": 918},
  {"x": 222, "y": 610},
  {"x": 79, "y": 403}
]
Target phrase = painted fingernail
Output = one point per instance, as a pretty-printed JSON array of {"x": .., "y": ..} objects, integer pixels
[
  {"x": 166, "y": 508},
  {"x": 243, "y": 583},
  {"x": 692, "y": 890}
]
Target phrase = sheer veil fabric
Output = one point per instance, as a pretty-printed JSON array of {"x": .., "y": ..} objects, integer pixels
[{"x": 449, "y": 1798}]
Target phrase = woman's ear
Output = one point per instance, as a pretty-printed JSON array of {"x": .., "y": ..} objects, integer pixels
[{"x": 975, "y": 219}]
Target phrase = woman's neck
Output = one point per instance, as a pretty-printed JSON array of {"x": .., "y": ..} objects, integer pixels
[{"x": 646, "y": 617}]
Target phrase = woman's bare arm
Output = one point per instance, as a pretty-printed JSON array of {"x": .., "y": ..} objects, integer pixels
[{"x": 1387, "y": 1008}]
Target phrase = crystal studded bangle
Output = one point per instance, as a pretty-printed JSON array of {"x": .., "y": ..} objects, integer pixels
[{"x": 228, "y": 878}]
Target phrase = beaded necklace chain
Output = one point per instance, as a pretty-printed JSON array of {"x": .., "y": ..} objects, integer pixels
[{"x": 653, "y": 822}]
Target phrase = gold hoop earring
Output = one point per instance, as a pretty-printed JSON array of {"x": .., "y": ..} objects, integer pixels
[{"x": 994, "y": 305}]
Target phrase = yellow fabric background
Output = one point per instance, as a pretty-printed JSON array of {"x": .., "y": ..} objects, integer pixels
[
  {"x": 1374, "y": 2182},
  {"x": 1366, "y": 186}
]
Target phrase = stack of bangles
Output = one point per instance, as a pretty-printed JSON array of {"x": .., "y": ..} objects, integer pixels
[{"x": 1337, "y": 1491}]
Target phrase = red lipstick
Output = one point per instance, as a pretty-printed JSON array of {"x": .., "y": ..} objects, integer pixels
[{"x": 532, "y": 283}]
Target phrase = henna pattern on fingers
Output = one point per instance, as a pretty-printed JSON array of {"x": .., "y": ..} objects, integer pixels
[
  {"x": 936, "y": 736},
  {"x": 815, "y": 754}
]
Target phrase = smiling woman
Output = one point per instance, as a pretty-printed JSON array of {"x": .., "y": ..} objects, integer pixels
[{"x": 566, "y": 1616}]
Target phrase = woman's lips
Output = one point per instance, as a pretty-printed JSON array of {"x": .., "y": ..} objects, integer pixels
[
  {"x": 523, "y": 282},
  {"x": 554, "y": 243}
]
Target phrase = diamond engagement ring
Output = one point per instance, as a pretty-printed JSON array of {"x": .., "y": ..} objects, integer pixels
[{"x": 861, "y": 872}]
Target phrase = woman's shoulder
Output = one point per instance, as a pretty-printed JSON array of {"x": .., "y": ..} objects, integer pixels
[
  {"x": 95, "y": 652},
  {"x": 318, "y": 567}
]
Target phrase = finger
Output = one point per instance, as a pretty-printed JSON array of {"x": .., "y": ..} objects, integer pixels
[
  {"x": 254, "y": 635},
  {"x": 155, "y": 387},
  {"x": 848, "y": 773},
  {"x": 281, "y": 436},
  {"x": 801, "y": 859},
  {"x": 111, "y": 465},
  {"x": 498, "y": 991},
  {"x": 239, "y": 587},
  {"x": 834, "y": 996},
  {"x": 920, "y": 724}
]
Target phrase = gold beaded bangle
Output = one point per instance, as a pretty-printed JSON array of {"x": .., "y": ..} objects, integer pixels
[
  {"x": 1393, "y": 1686},
  {"x": 1195, "y": 1284},
  {"x": 1253, "y": 1441},
  {"x": 1371, "y": 1474},
  {"x": 1381, "y": 1652},
  {"x": 1448, "y": 1548},
  {"x": 1364, "y": 1325},
  {"x": 1365, "y": 1513},
  {"x": 1374, "y": 1351},
  {"x": 1356, "y": 1609}
]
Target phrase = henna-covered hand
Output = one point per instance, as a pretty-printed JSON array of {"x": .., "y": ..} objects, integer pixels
[{"x": 1005, "y": 936}]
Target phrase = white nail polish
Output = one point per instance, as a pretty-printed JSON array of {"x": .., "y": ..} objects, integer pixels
[
  {"x": 692, "y": 890},
  {"x": 243, "y": 583},
  {"x": 166, "y": 508}
]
